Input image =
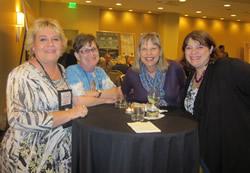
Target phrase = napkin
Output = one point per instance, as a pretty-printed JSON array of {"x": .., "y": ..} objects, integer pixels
[{"x": 144, "y": 127}]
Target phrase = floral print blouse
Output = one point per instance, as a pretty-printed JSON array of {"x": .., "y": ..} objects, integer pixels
[
  {"x": 190, "y": 98},
  {"x": 31, "y": 144}
]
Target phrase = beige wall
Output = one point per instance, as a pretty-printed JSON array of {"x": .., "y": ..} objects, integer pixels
[
  {"x": 82, "y": 18},
  {"x": 128, "y": 22},
  {"x": 169, "y": 32},
  {"x": 231, "y": 34},
  {"x": 10, "y": 49},
  {"x": 88, "y": 19}
]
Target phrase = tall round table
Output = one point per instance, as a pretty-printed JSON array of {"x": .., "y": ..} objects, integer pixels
[{"x": 104, "y": 143}]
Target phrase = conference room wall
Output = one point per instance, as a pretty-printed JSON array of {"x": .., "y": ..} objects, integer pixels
[
  {"x": 83, "y": 18},
  {"x": 10, "y": 49},
  {"x": 232, "y": 34},
  {"x": 128, "y": 22}
]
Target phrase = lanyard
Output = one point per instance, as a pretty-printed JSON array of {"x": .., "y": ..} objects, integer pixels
[
  {"x": 64, "y": 96},
  {"x": 52, "y": 83}
]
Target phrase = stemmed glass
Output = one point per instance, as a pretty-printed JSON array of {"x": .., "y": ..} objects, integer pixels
[{"x": 153, "y": 99}]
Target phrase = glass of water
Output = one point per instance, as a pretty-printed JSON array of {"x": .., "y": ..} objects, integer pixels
[{"x": 138, "y": 112}]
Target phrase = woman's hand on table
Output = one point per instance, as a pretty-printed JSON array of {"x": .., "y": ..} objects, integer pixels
[{"x": 78, "y": 111}]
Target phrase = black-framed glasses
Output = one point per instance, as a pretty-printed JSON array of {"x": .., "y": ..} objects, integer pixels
[{"x": 87, "y": 51}]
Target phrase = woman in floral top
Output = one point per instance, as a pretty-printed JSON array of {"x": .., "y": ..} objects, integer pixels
[{"x": 39, "y": 104}]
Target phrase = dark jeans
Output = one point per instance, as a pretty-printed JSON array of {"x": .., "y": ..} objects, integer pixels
[{"x": 204, "y": 167}]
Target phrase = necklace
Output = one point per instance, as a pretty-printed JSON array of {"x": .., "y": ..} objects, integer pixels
[
  {"x": 198, "y": 80},
  {"x": 91, "y": 87}
]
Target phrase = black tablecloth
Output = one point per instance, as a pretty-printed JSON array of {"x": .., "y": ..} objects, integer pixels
[{"x": 104, "y": 143}]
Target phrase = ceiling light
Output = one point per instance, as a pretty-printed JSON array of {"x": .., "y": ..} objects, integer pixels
[
  {"x": 238, "y": 20},
  {"x": 88, "y": 2},
  {"x": 204, "y": 17},
  {"x": 110, "y": 8},
  {"x": 233, "y": 15},
  {"x": 182, "y": 0},
  {"x": 160, "y": 8},
  {"x": 130, "y": 10},
  {"x": 118, "y": 4},
  {"x": 198, "y": 11},
  {"x": 227, "y": 5},
  {"x": 186, "y": 15},
  {"x": 221, "y": 18},
  {"x": 149, "y": 11}
]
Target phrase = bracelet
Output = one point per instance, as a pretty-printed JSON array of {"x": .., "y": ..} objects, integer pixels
[{"x": 99, "y": 93}]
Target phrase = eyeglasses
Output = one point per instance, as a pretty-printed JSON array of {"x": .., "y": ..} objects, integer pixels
[{"x": 86, "y": 51}]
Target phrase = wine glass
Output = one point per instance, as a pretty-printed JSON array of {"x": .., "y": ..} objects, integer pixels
[
  {"x": 153, "y": 99},
  {"x": 154, "y": 95}
]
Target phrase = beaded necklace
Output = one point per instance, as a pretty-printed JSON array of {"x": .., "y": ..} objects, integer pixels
[{"x": 201, "y": 77}]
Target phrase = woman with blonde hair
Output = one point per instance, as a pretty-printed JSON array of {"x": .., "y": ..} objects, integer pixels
[
  {"x": 39, "y": 104},
  {"x": 151, "y": 70}
]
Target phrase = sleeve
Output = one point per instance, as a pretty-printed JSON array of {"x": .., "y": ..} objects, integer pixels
[
  {"x": 25, "y": 110},
  {"x": 75, "y": 81},
  {"x": 239, "y": 72},
  {"x": 182, "y": 81},
  {"x": 126, "y": 86}
]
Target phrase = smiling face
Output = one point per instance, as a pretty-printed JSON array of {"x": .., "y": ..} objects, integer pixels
[
  {"x": 150, "y": 54},
  {"x": 197, "y": 55},
  {"x": 47, "y": 46},
  {"x": 88, "y": 56}
]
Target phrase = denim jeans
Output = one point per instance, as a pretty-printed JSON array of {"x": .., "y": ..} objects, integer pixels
[{"x": 204, "y": 167}]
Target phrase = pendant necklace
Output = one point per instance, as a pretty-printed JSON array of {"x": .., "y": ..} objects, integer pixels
[{"x": 202, "y": 75}]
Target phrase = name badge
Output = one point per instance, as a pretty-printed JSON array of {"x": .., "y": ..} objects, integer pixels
[{"x": 65, "y": 99}]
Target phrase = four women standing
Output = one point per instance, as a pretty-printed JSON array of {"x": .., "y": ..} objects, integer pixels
[{"x": 39, "y": 100}]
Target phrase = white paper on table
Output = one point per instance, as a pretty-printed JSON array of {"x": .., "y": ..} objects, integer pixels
[{"x": 144, "y": 127}]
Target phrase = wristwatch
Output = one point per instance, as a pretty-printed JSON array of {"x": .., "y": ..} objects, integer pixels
[{"x": 99, "y": 93}]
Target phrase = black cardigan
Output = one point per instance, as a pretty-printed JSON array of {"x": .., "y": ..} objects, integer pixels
[{"x": 222, "y": 107}]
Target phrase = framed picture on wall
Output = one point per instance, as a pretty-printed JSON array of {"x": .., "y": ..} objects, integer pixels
[
  {"x": 114, "y": 53},
  {"x": 115, "y": 44},
  {"x": 108, "y": 40}
]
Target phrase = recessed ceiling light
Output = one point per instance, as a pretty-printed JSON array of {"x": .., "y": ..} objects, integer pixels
[
  {"x": 238, "y": 20},
  {"x": 88, "y": 2},
  {"x": 227, "y": 5},
  {"x": 198, "y": 11},
  {"x": 204, "y": 17},
  {"x": 233, "y": 15},
  {"x": 182, "y": 0},
  {"x": 160, "y": 8},
  {"x": 130, "y": 10},
  {"x": 149, "y": 11},
  {"x": 221, "y": 18},
  {"x": 118, "y": 4},
  {"x": 110, "y": 8},
  {"x": 186, "y": 15}
]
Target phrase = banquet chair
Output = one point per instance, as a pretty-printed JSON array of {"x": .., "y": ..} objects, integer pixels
[
  {"x": 115, "y": 77},
  {"x": 122, "y": 77}
]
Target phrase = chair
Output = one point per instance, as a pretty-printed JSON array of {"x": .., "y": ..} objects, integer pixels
[
  {"x": 122, "y": 77},
  {"x": 115, "y": 77}
]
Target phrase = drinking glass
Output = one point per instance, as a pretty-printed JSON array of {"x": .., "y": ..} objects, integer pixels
[
  {"x": 138, "y": 112},
  {"x": 153, "y": 99}
]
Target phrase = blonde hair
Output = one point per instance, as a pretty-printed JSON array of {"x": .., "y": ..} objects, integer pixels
[
  {"x": 162, "y": 64},
  {"x": 37, "y": 26}
]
